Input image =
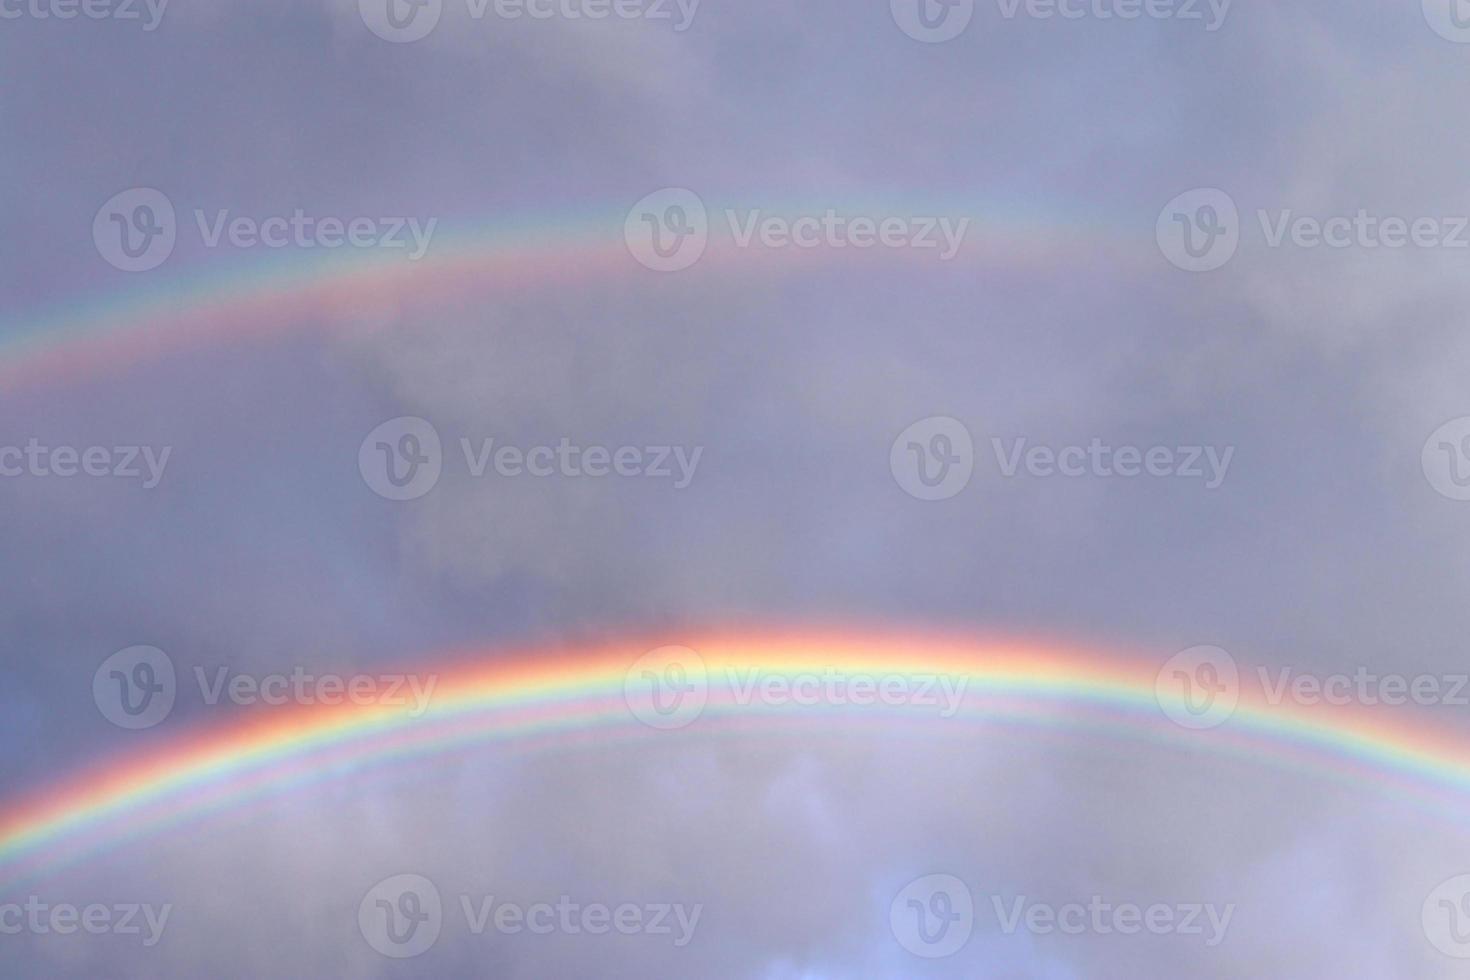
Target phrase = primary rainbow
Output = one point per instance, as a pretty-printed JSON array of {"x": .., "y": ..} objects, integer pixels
[
  {"x": 266, "y": 293},
  {"x": 558, "y": 696}
]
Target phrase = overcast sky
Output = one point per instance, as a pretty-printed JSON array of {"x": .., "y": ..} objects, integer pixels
[{"x": 1324, "y": 543}]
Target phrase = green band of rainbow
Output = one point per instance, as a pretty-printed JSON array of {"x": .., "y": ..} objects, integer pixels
[
  {"x": 559, "y": 696},
  {"x": 264, "y": 293}
]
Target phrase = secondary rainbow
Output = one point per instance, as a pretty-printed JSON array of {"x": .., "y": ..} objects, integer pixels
[
  {"x": 263, "y": 294},
  {"x": 558, "y": 696}
]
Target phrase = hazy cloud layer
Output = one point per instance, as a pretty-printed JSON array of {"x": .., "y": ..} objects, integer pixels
[{"x": 1325, "y": 548}]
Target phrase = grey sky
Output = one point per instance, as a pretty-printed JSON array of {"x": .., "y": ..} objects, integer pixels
[{"x": 1325, "y": 548}]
